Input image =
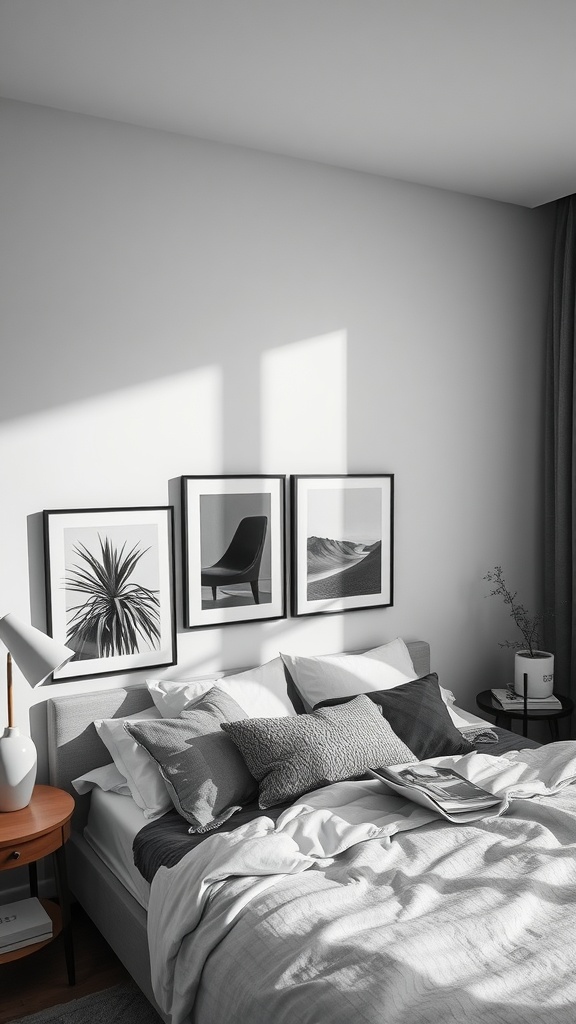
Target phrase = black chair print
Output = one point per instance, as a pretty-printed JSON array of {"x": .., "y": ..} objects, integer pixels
[{"x": 240, "y": 563}]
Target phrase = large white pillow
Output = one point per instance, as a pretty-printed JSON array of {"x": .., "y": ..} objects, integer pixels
[
  {"x": 142, "y": 774},
  {"x": 107, "y": 778},
  {"x": 260, "y": 692},
  {"x": 171, "y": 696},
  {"x": 465, "y": 719},
  {"x": 346, "y": 675}
]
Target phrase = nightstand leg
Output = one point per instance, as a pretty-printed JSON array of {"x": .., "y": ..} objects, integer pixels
[
  {"x": 64, "y": 898},
  {"x": 554, "y": 732},
  {"x": 33, "y": 878}
]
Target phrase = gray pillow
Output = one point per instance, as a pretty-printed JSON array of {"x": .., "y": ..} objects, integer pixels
[
  {"x": 419, "y": 716},
  {"x": 206, "y": 777},
  {"x": 291, "y": 756}
]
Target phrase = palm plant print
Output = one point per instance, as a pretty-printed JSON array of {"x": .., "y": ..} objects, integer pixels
[{"x": 117, "y": 614}]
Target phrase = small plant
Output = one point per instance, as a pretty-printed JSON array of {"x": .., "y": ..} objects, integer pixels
[
  {"x": 529, "y": 625},
  {"x": 116, "y": 614}
]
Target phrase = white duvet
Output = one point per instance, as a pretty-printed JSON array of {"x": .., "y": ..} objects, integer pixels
[{"x": 360, "y": 907}]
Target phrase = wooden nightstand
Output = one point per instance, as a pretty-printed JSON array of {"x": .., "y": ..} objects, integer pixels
[
  {"x": 503, "y": 716},
  {"x": 26, "y": 837}
]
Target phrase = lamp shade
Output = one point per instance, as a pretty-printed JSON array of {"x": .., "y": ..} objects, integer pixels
[{"x": 36, "y": 654}]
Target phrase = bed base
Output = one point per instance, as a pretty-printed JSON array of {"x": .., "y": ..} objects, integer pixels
[
  {"x": 114, "y": 911},
  {"x": 74, "y": 748}
]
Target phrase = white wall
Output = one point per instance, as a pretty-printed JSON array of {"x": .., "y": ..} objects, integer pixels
[{"x": 171, "y": 306}]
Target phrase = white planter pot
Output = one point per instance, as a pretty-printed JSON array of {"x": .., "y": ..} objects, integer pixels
[
  {"x": 17, "y": 770},
  {"x": 540, "y": 672}
]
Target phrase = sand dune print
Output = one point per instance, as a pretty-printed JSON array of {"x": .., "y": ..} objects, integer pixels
[{"x": 337, "y": 569}]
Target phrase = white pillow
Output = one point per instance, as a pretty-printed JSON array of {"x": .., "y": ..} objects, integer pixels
[
  {"x": 346, "y": 675},
  {"x": 465, "y": 719},
  {"x": 260, "y": 692},
  {"x": 107, "y": 778},
  {"x": 171, "y": 696},
  {"x": 147, "y": 787}
]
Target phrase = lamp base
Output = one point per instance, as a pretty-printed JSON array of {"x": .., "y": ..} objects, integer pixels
[{"x": 17, "y": 770}]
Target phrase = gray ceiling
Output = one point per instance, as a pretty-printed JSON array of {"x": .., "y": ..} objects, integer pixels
[{"x": 477, "y": 96}]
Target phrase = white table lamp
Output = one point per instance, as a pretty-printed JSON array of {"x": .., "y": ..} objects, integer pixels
[{"x": 37, "y": 656}]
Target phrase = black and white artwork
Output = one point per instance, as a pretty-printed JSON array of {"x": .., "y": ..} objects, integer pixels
[
  {"x": 341, "y": 542},
  {"x": 110, "y": 588},
  {"x": 234, "y": 549}
]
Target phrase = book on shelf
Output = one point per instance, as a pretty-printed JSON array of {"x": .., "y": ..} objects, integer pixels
[
  {"x": 510, "y": 700},
  {"x": 441, "y": 789},
  {"x": 25, "y": 942},
  {"x": 22, "y": 924}
]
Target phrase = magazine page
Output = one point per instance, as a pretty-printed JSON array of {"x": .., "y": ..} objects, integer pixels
[{"x": 453, "y": 796}]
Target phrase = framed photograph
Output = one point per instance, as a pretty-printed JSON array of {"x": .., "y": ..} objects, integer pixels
[
  {"x": 342, "y": 542},
  {"x": 234, "y": 549},
  {"x": 110, "y": 588}
]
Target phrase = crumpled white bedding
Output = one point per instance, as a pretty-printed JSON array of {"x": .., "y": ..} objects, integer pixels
[{"x": 360, "y": 906}]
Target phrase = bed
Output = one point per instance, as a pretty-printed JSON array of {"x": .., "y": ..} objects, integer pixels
[{"x": 306, "y": 937}]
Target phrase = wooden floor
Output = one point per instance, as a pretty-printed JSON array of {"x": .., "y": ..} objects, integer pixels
[{"x": 38, "y": 981}]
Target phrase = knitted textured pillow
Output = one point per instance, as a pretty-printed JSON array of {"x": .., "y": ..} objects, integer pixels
[
  {"x": 419, "y": 717},
  {"x": 291, "y": 756}
]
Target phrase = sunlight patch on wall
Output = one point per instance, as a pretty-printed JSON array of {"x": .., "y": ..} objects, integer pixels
[
  {"x": 121, "y": 447},
  {"x": 304, "y": 406},
  {"x": 304, "y": 422}
]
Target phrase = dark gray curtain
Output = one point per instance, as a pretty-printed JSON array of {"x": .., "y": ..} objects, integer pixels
[{"x": 560, "y": 454}]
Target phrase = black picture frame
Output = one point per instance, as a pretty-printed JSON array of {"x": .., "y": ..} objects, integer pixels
[
  {"x": 88, "y": 552},
  {"x": 234, "y": 549},
  {"x": 342, "y": 542}
]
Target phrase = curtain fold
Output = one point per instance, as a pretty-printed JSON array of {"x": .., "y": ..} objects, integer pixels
[{"x": 560, "y": 454}]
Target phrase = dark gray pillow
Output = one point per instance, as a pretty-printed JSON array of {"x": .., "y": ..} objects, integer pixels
[
  {"x": 290, "y": 756},
  {"x": 206, "y": 777},
  {"x": 418, "y": 716}
]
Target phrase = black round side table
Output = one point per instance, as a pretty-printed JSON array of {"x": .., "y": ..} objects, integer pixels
[{"x": 488, "y": 703}]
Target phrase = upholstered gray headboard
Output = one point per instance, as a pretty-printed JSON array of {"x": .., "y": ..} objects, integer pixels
[{"x": 74, "y": 746}]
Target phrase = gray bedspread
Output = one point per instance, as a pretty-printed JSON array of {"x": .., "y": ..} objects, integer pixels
[{"x": 442, "y": 924}]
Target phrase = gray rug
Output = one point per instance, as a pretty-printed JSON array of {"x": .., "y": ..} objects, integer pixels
[{"x": 123, "y": 1003}]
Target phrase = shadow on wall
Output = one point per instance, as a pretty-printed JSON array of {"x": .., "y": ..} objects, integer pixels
[{"x": 293, "y": 402}]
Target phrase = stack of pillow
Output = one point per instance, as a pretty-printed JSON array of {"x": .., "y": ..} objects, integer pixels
[{"x": 210, "y": 747}]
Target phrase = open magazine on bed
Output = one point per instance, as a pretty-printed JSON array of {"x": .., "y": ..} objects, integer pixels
[{"x": 442, "y": 789}]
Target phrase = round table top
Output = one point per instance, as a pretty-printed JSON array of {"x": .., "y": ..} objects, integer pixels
[
  {"x": 48, "y": 809},
  {"x": 487, "y": 702}
]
